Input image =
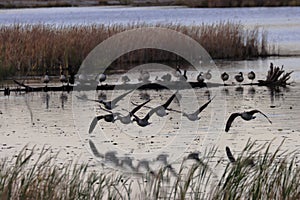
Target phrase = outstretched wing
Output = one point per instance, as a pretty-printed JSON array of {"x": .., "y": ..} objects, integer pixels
[
  {"x": 138, "y": 107},
  {"x": 197, "y": 112},
  {"x": 94, "y": 149},
  {"x": 168, "y": 102},
  {"x": 229, "y": 155},
  {"x": 230, "y": 120},
  {"x": 117, "y": 99},
  {"x": 94, "y": 123},
  {"x": 257, "y": 111}
]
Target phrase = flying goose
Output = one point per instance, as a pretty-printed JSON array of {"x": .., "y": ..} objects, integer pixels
[
  {"x": 194, "y": 116},
  {"x": 247, "y": 115},
  {"x": 108, "y": 118},
  {"x": 127, "y": 118},
  {"x": 159, "y": 110}
]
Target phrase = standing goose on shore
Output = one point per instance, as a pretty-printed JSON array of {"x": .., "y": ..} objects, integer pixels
[
  {"x": 247, "y": 115},
  {"x": 167, "y": 77},
  {"x": 239, "y": 77},
  {"x": 144, "y": 76},
  {"x": 200, "y": 78},
  {"x": 108, "y": 104},
  {"x": 102, "y": 78},
  {"x": 46, "y": 78},
  {"x": 224, "y": 77},
  {"x": 125, "y": 79},
  {"x": 159, "y": 110},
  {"x": 207, "y": 75},
  {"x": 251, "y": 76},
  {"x": 62, "y": 77}
]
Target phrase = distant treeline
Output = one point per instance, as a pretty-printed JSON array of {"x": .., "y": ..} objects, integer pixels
[
  {"x": 35, "y": 48},
  {"x": 189, "y": 3}
]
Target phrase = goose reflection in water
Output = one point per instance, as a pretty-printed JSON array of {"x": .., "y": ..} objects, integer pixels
[
  {"x": 239, "y": 90},
  {"x": 63, "y": 98},
  {"x": 46, "y": 98}
]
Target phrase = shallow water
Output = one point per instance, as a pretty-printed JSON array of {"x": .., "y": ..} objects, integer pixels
[
  {"x": 62, "y": 121},
  {"x": 281, "y": 23}
]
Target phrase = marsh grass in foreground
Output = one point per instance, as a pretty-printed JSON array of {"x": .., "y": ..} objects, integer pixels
[
  {"x": 31, "y": 49},
  {"x": 274, "y": 175}
]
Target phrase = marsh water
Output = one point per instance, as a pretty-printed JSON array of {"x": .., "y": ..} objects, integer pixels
[{"x": 60, "y": 121}]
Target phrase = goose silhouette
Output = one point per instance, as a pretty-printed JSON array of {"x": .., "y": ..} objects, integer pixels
[{"x": 247, "y": 115}]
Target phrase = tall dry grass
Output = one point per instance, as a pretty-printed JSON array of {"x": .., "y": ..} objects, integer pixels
[
  {"x": 273, "y": 175},
  {"x": 35, "y": 48}
]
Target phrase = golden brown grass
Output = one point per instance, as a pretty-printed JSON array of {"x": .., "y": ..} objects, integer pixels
[{"x": 34, "y": 48}]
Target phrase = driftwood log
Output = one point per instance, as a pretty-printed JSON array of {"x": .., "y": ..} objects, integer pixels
[{"x": 276, "y": 77}]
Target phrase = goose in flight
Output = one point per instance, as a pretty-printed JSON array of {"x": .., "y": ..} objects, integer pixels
[
  {"x": 194, "y": 116},
  {"x": 247, "y": 115},
  {"x": 108, "y": 104},
  {"x": 108, "y": 118},
  {"x": 229, "y": 155},
  {"x": 183, "y": 77},
  {"x": 127, "y": 118},
  {"x": 159, "y": 110},
  {"x": 247, "y": 161}
]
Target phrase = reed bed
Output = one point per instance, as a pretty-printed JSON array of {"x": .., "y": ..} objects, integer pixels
[
  {"x": 271, "y": 175},
  {"x": 31, "y": 49}
]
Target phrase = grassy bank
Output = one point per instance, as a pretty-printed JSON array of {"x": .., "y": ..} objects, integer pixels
[
  {"x": 272, "y": 175},
  {"x": 31, "y": 49}
]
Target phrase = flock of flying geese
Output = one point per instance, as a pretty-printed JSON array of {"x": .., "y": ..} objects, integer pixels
[{"x": 161, "y": 110}]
